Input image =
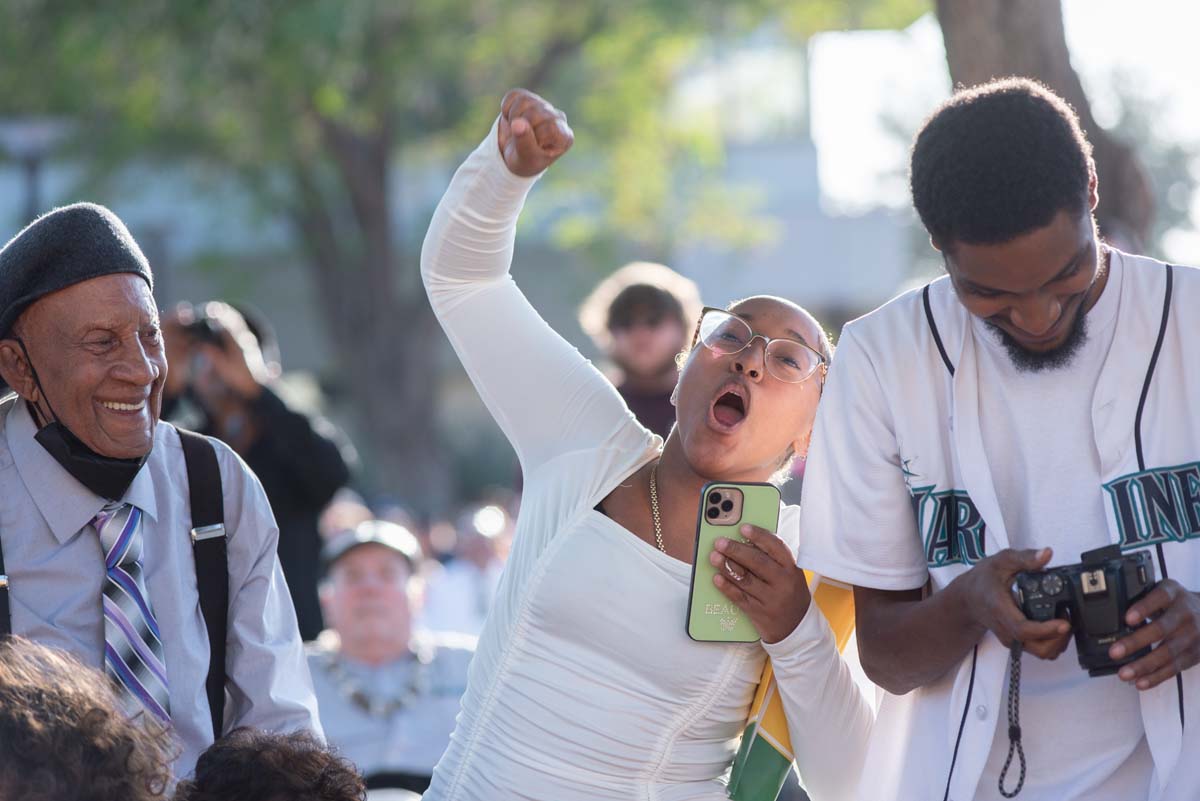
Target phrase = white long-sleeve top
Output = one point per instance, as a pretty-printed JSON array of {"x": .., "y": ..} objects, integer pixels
[{"x": 585, "y": 684}]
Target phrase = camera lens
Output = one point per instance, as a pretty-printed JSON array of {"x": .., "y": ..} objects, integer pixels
[
  {"x": 727, "y": 506},
  {"x": 714, "y": 497},
  {"x": 713, "y": 512}
]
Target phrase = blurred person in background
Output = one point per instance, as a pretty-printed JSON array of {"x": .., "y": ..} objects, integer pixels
[
  {"x": 63, "y": 736},
  {"x": 388, "y": 694},
  {"x": 344, "y": 512},
  {"x": 439, "y": 540},
  {"x": 224, "y": 364},
  {"x": 252, "y": 765},
  {"x": 460, "y": 595},
  {"x": 641, "y": 317}
]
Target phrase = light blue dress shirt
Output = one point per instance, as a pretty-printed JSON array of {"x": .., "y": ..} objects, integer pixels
[{"x": 55, "y": 568}]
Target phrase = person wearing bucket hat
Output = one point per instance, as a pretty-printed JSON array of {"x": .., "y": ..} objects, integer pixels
[
  {"x": 389, "y": 694},
  {"x": 91, "y": 484}
]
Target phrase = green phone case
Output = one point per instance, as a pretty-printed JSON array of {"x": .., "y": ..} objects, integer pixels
[{"x": 711, "y": 616}]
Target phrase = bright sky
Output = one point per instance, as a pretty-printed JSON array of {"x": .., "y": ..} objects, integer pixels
[{"x": 865, "y": 82}]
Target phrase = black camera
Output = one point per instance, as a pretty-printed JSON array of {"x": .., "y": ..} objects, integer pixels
[
  {"x": 203, "y": 328},
  {"x": 1094, "y": 596}
]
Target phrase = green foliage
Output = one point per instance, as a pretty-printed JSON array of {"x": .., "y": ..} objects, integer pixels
[
  {"x": 806, "y": 17},
  {"x": 315, "y": 105},
  {"x": 252, "y": 86}
]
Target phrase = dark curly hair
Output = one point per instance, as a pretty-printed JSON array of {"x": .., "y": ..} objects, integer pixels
[
  {"x": 252, "y": 765},
  {"x": 64, "y": 737},
  {"x": 997, "y": 161}
]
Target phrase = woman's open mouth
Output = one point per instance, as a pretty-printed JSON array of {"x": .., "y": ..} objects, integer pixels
[{"x": 730, "y": 407}]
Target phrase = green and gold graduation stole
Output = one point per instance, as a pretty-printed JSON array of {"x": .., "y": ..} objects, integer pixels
[{"x": 766, "y": 755}]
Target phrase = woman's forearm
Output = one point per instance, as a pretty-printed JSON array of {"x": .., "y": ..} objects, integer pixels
[{"x": 829, "y": 718}]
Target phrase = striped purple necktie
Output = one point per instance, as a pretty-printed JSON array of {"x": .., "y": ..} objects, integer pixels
[{"x": 133, "y": 652}]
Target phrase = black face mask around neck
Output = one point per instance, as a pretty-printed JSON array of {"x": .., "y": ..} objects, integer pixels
[{"x": 105, "y": 476}]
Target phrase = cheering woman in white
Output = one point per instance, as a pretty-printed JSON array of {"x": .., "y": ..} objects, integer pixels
[{"x": 585, "y": 684}]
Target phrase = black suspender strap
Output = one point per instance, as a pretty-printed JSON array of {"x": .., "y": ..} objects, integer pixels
[
  {"x": 5, "y": 617},
  {"x": 5, "y": 610},
  {"x": 1137, "y": 436},
  {"x": 212, "y": 564}
]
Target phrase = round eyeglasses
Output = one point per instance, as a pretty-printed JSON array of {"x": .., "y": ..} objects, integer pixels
[{"x": 789, "y": 360}]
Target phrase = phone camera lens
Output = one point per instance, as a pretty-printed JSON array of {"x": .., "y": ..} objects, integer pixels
[
  {"x": 713, "y": 512},
  {"x": 727, "y": 506},
  {"x": 714, "y": 497}
]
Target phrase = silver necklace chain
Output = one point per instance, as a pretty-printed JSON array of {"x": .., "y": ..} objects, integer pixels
[{"x": 658, "y": 537}]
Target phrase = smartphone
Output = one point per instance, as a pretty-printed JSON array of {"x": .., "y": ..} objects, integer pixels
[{"x": 724, "y": 508}]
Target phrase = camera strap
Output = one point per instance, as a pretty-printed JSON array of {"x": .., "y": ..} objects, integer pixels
[{"x": 1014, "y": 720}]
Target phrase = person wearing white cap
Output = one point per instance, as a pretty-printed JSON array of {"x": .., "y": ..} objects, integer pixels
[{"x": 388, "y": 694}]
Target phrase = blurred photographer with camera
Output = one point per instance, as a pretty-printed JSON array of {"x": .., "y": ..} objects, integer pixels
[
  {"x": 1038, "y": 403},
  {"x": 223, "y": 365}
]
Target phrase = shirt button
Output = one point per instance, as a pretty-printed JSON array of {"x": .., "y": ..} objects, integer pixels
[{"x": 981, "y": 712}]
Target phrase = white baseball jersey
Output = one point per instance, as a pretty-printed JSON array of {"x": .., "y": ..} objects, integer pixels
[{"x": 899, "y": 491}]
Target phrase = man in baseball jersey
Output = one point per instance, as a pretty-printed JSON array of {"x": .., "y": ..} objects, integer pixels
[{"x": 1039, "y": 401}]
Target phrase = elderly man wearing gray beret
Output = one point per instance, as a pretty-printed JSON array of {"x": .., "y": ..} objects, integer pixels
[{"x": 122, "y": 541}]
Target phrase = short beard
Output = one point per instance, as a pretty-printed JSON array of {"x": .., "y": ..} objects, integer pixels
[{"x": 1029, "y": 361}]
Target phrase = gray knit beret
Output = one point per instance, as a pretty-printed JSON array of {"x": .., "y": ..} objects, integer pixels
[{"x": 64, "y": 247}]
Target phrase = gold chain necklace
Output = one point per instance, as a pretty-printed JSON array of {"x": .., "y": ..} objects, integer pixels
[{"x": 658, "y": 538}]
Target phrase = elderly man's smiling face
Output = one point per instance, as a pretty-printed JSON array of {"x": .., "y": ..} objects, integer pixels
[{"x": 98, "y": 353}]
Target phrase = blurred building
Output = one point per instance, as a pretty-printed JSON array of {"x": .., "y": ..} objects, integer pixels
[{"x": 759, "y": 95}]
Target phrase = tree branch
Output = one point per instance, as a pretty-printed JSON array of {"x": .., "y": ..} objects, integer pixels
[{"x": 559, "y": 49}]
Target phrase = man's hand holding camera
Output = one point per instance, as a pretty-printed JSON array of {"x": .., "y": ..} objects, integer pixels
[
  {"x": 990, "y": 603},
  {"x": 1170, "y": 612},
  {"x": 1173, "y": 629}
]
